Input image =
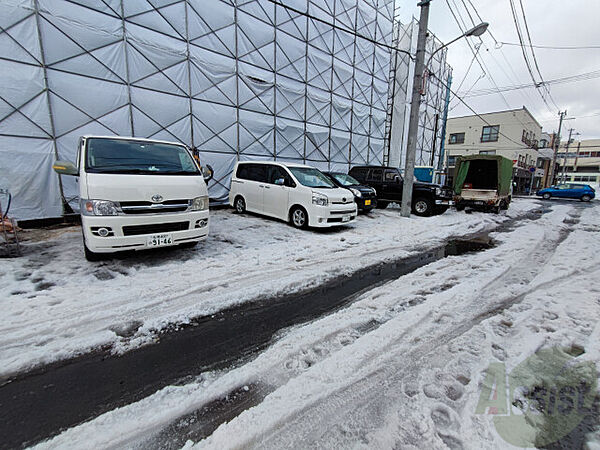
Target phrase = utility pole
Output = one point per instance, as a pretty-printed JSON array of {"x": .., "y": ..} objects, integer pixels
[
  {"x": 564, "y": 164},
  {"x": 576, "y": 157},
  {"x": 556, "y": 145},
  {"x": 413, "y": 124}
]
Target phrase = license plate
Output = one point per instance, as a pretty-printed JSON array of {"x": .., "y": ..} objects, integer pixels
[
  {"x": 479, "y": 203},
  {"x": 367, "y": 202},
  {"x": 159, "y": 240},
  {"x": 346, "y": 219}
]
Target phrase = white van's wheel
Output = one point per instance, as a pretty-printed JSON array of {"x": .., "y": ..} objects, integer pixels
[
  {"x": 240, "y": 205},
  {"x": 299, "y": 217}
]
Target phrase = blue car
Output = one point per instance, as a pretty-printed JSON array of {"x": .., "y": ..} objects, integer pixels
[{"x": 582, "y": 192}]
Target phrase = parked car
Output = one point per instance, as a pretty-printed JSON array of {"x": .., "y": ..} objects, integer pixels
[
  {"x": 301, "y": 195},
  {"x": 364, "y": 196},
  {"x": 483, "y": 182},
  {"x": 427, "y": 198},
  {"x": 137, "y": 194},
  {"x": 583, "y": 192}
]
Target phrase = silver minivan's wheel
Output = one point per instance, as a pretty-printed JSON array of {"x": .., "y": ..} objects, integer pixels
[
  {"x": 585, "y": 198},
  {"x": 546, "y": 196},
  {"x": 299, "y": 217},
  {"x": 240, "y": 205}
]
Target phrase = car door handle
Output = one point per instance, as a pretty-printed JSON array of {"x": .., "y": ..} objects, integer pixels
[{"x": 267, "y": 187}]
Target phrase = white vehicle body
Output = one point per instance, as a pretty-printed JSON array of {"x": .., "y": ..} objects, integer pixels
[
  {"x": 135, "y": 211},
  {"x": 325, "y": 207}
]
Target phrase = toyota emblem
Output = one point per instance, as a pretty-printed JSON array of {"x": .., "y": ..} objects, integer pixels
[{"x": 157, "y": 198}]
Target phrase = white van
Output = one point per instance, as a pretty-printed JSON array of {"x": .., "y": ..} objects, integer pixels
[
  {"x": 300, "y": 194},
  {"x": 137, "y": 194}
]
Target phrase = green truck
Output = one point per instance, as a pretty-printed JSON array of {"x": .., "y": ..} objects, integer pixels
[{"x": 483, "y": 182}]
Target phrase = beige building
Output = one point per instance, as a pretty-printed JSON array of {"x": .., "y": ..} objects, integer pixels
[
  {"x": 580, "y": 162},
  {"x": 514, "y": 134}
]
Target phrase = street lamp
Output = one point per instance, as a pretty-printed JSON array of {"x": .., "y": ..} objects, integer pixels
[
  {"x": 413, "y": 124},
  {"x": 477, "y": 30}
]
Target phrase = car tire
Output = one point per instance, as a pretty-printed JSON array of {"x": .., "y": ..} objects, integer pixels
[
  {"x": 546, "y": 196},
  {"x": 188, "y": 244},
  {"x": 382, "y": 205},
  {"x": 585, "y": 198},
  {"x": 422, "y": 207},
  {"x": 299, "y": 217},
  {"x": 504, "y": 205},
  {"x": 239, "y": 204},
  {"x": 460, "y": 206}
]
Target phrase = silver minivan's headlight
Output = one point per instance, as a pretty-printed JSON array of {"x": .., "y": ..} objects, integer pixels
[
  {"x": 319, "y": 199},
  {"x": 356, "y": 192},
  {"x": 199, "y": 203},
  {"x": 99, "y": 208}
]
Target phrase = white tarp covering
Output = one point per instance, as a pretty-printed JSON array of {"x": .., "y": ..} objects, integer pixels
[{"x": 238, "y": 79}]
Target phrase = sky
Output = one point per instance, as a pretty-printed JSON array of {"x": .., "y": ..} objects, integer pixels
[{"x": 552, "y": 23}]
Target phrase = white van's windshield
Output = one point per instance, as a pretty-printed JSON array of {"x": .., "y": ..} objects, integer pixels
[
  {"x": 138, "y": 157},
  {"x": 312, "y": 178}
]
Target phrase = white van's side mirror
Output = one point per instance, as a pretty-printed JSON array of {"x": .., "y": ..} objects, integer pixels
[
  {"x": 280, "y": 181},
  {"x": 65, "y": 168},
  {"x": 207, "y": 172}
]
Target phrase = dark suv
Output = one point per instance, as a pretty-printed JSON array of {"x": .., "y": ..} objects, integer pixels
[{"x": 427, "y": 198}]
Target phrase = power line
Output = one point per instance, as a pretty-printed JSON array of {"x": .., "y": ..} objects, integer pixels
[
  {"x": 533, "y": 54},
  {"x": 481, "y": 20},
  {"x": 482, "y": 64},
  {"x": 552, "y": 47},
  {"x": 521, "y": 145},
  {"x": 564, "y": 80},
  {"x": 525, "y": 57}
]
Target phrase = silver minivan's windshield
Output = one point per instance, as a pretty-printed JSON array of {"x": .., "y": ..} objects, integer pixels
[
  {"x": 138, "y": 157},
  {"x": 310, "y": 177}
]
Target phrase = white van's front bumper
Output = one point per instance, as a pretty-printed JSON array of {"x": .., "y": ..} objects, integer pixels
[
  {"x": 132, "y": 232},
  {"x": 332, "y": 215}
]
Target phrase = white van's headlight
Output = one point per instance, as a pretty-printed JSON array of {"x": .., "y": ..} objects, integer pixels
[
  {"x": 199, "y": 203},
  {"x": 319, "y": 199},
  {"x": 99, "y": 208},
  {"x": 356, "y": 192}
]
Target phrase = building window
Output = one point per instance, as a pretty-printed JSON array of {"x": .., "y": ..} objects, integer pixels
[
  {"x": 490, "y": 134},
  {"x": 457, "y": 138},
  {"x": 487, "y": 152},
  {"x": 543, "y": 143},
  {"x": 451, "y": 161}
]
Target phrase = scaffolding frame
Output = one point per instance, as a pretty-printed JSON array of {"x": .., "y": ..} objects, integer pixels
[{"x": 241, "y": 79}]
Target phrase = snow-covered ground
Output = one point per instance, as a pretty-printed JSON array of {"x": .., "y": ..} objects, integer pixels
[
  {"x": 403, "y": 365},
  {"x": 56, "y": 305}
]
